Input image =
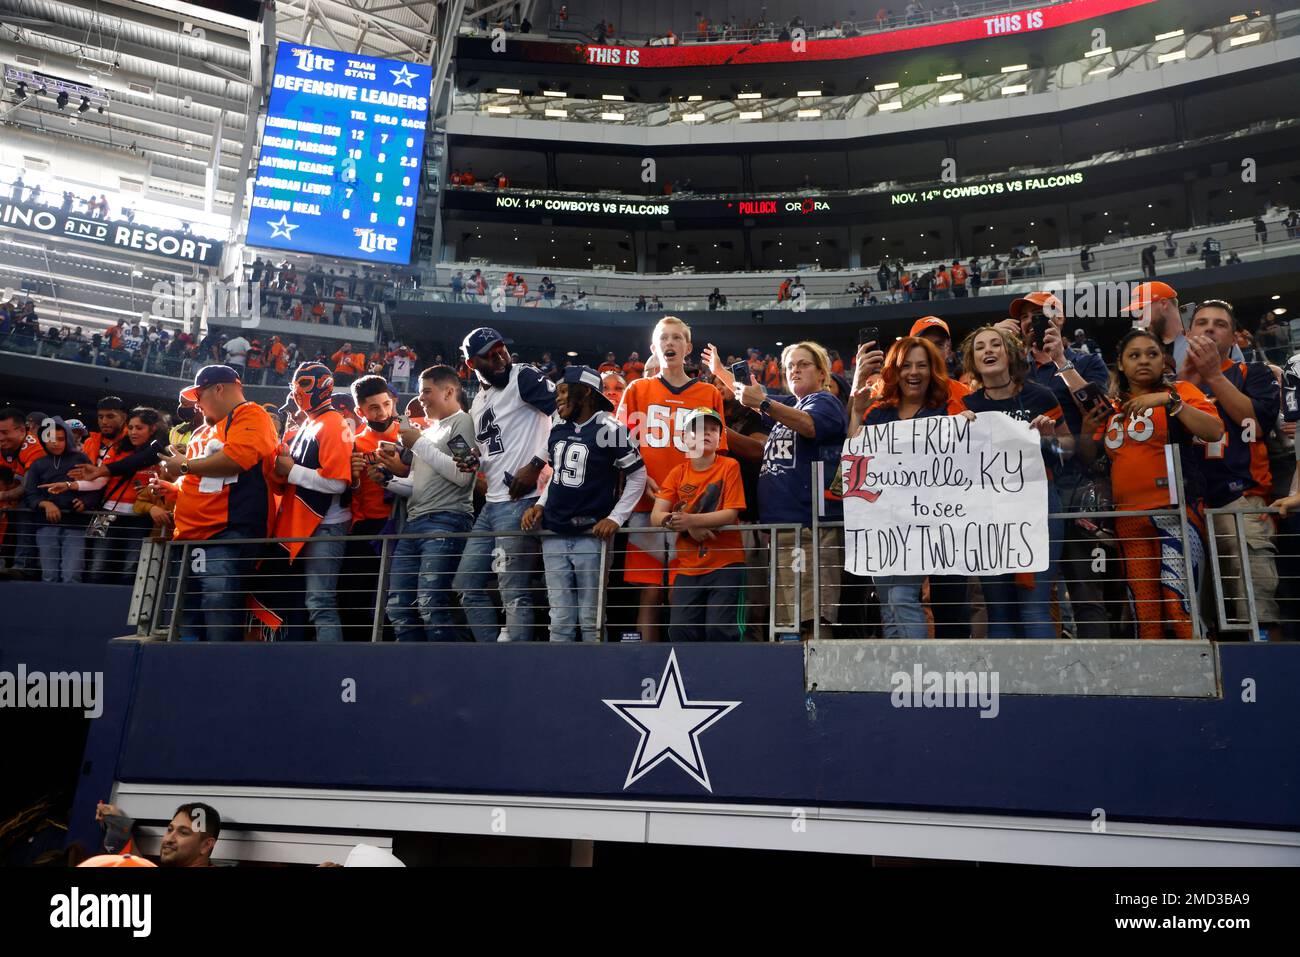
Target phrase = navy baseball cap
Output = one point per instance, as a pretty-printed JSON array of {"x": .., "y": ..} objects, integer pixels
[
  {"x": 589, "y": 377},
  {"x": 208, "y": 376},
  {"x": 480, "y": 340}
]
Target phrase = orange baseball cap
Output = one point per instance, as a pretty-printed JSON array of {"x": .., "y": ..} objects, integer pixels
[
  {"x": 116, "y": 860},
  {"x": 929, "y": 322},
  {"x": 1051, "y": 306},
  {"x": 1149, "y": 292}
]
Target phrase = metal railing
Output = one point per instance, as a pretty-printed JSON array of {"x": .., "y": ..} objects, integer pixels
[{"x": 95, "y": 546}]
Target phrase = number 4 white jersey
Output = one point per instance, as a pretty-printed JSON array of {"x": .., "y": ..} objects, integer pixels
[{"x": 511, "y": 426}]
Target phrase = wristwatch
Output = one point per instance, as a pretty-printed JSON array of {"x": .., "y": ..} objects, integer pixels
[
  {"x": 1065, "y": 368},
  {"x": 1175, "y": 403},
  {"x": 764, "y": 406},
  {"x": 185, "y": 467}
]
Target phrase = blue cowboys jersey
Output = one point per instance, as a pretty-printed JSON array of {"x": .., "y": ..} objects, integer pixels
[{"x": 587, "y": 460}]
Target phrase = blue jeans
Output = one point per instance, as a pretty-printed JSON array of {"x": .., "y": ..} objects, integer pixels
[
  {"x": 900, "y": 605},
  {"x": 516, "y": 559},
  {"x": 573, "y": 572},
  {"x": 321, "y": 560},
  {"x": 62, "y": 549},
  {"x": 1015, "y": 612},
  {"x": 213, "y": 606},
  {"x": 419, "y": 590}
]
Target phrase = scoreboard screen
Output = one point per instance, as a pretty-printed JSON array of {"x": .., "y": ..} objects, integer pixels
[{"x": 339, "y": 171}]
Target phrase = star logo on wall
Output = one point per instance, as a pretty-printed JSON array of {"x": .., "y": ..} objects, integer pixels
[
  {"x": 281, "y": 227},
  {"x": 402, "y": 77},
  {"x": 670, "y": 727}
]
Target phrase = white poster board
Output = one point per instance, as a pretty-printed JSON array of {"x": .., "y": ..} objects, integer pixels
[{"x": 943, "y": 495}]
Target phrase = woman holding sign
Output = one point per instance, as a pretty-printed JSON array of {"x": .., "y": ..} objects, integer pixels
[
  {"x": 1149, "y": 415},
  {"x": 1020, "y": 606},
  {"x": 913, "y": 384}
]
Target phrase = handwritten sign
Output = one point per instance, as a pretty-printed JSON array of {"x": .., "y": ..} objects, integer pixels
[{"x": 943, "y": 495}]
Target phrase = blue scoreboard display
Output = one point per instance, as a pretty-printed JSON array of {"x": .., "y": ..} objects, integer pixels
[{"x": 339, "y": 170}]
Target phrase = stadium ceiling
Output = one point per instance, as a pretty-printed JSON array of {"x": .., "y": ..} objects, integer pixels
[{"x": 400, "y": 29}]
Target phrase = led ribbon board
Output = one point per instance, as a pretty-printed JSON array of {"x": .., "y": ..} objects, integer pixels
[{"x": 339, "y": 169}]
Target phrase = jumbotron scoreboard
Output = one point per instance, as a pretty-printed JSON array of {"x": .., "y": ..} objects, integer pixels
[{"x": 339, "y": 170}]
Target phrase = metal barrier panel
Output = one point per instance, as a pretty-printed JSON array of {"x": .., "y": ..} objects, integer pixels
[
  {"x": 1253, "y": 551},
  {"x": 92, "y": 546},
  {"x": 482, "y": 585}
]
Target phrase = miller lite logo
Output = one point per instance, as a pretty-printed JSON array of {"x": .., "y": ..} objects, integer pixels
[
  {"x": 373, "y": 242},
  {"x": 309, "y": 61}
]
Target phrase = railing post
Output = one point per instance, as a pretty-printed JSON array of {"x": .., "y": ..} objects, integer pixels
[
  {"x": 1247, "y": 584},
  {"x": 602, "y": 585},
  {"x": 1185, "y": 532},
  {"x": 771, "y": 583},
  {"x": 381, "y": 589},
  {"x": 174, "y": 625},
  {"x": 817, "y": 496}
]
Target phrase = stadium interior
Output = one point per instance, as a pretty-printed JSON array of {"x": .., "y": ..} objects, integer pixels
[{"x": 223, "y": 183}]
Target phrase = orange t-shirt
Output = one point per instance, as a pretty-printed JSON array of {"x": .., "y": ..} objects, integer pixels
[
  {"x": 1140, "y": 470},
  {"x": 243, "y": 502},
  {"x": 686, "y": 484},
  {"x": 958, "y": 275},
  {"x": 367, "y": 497},
  {"x": 941, "y": 280},
  {"x": 277, "y": 357},
  {"x": 608, "y": 366},
  {"x": 632, "y": 370},
  {"x": 652, "y": 411}
]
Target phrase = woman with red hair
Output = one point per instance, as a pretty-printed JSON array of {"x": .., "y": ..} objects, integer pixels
[{"x": 913, "y": 384}]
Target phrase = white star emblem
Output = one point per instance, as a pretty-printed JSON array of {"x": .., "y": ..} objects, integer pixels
[
  {"x": 402, "y": 77},
  {"x": 670, "y": 727},
  {"x": 281, "y": 227}
]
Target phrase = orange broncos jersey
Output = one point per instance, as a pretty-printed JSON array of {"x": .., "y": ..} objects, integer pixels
[
  {"x": 652, "y": 412},
  {"x": 1140, "y": 474},
  {"x": 241, "y": 503},
  {"x": 367, "y": 497},
  {"x": 323, "y": 444}
]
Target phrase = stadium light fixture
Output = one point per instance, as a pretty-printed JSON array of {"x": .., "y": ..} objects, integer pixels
[
  {"x": 1015, "y": 88},
  {"x": 694, "y": 98},
  {"x": 1100, "y": 51},
  {"x": 885, "y": 87},
  {"x": 749, "y": 96},
  {"x": 809, "y": 93},
  {"x": 615, "y": 117},
  {"x": 1237, "y": 19},
  {"x": 616, "y": 97},
  {"x": 751, "y": 114},
  {"x": 952, "y": 97},
  {"x": 498, "y": 109},
  {"x": 1277, "y": 296},
  {"x": 507, "y": 89},
  {"x": 1018, "y": 68},
  {"x": 947, "y": 77},
  {"x": 1100, "y": 70},
  {"x": 560, "y": 93},
  {"x": 1171, "y": 57},
  {"x": 557, "y": 114},
  {"x": 1279, "y": 310},
  {"x": 891, "y": 105},
  {"x": 808, "y": 114},
  {"x": 1170, "y": 35},
  {"x": 692, "y": 117},
  {"x": 1245, "y": 38}
]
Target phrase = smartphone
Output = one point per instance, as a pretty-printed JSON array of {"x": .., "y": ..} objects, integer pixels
[
  {"x": 1092, "y": 396},
  {"x": 1040, "y": 325},
  {"x": 740, "y": 372},
  {"x": 389, "y": 447},
  {"x": 460, "y": 449},
  {"x": 868, "y": 334}
]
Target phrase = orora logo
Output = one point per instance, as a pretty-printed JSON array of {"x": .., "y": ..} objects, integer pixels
[{"x": 808, "y": 206}]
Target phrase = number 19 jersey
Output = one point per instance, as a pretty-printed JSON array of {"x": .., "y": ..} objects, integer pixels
[{"x": 653, "y": 412}]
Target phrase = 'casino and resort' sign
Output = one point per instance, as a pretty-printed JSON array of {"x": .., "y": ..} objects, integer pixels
[{"x": 111, "y": 233}]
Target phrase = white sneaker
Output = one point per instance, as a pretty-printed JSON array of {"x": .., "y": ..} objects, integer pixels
[{"x": 503, "y": 635}]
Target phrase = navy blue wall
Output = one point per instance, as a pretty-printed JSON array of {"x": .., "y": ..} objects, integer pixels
[{"x": 530, "y": 720}]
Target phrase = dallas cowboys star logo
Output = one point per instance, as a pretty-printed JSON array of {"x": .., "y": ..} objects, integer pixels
[
  {"x": 670, "y": 727},
  {"x": 281, "y": 227},
  {"x": 402, "y": 77}
]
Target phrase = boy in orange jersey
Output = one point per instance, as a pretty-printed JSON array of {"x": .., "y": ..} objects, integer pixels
[{"x": 654, "y": 411}]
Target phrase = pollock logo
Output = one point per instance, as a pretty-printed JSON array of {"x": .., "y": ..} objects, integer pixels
[
  {"x": 57, "y": 689},
  {"x": 77, "y": 910},
  {"x": 946, "y": 689}
]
